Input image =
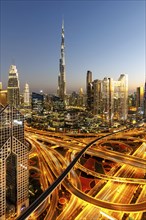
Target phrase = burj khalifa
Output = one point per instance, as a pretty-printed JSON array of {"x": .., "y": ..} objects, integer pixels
[{"x": 61, "y": 77}]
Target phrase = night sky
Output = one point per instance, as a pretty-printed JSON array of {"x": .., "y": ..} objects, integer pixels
[{"x": 106, "y": 37}]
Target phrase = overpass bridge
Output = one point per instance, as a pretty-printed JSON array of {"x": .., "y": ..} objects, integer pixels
[{"x": 27, "y": 212}]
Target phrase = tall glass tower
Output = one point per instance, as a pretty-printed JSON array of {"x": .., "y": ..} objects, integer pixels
[
  {"x": 13, "y": 163},
  {"x": 13, "y": 87},
  {"x": 61, "y": 77},
  {"x": 89, "y": 89},
  {"x": 26, "y": 95}
]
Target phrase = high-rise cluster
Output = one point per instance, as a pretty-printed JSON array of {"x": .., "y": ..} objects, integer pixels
[
  {"x": 61, "y": 78},
  {"x": 37, "y": 103},
  {"x": 13, "y": 163},
  {"x": 108, "y": 98}
]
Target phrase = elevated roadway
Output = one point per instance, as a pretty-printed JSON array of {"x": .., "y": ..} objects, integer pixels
[{"x": 112, "y": 206}]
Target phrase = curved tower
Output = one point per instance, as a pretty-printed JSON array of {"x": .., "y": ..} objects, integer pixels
[{"x": 61, "y": 77}]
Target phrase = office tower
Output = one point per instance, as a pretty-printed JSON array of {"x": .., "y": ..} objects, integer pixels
[
  {"x": 139, "y": 97},
  {"x": 89, "y": 77},
  {"x": 26, "y": 95},
  {"x": 14, "y": 163},
  {"x": 121, "y": 89},
  {"x": 58, "y": 107},
  {"x": 89, "y": 90},
  {"x": 97, "y": 97},
  {"x": 37, "y": 103},
  {"x": 13, "y": 87},
  {"x": 61, "y": 78},
  {"x": 81, "y": 98}
]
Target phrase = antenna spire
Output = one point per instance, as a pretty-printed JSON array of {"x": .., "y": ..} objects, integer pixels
[
  {"x": 13, "y": 61},
  {"x": 62, "y": 22}
]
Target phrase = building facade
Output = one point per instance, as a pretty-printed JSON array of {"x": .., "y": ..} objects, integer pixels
[
  {"x": 37, "y": 103},
  {"x": 139, "y": 97},
  {"x": 108, "y": 98},
  {"x": 13, "y": 87},
  {"x": 26, "y": 95},
  {"x": 14, "y": 163},
  {"x": 89, "y": 90},
  {"x": 62, "y": 76}
]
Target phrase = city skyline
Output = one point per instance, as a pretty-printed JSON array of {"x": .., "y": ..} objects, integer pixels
[{"x": 106, "y": 38}]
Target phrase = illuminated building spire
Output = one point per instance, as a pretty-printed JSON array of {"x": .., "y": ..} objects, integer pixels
[
  {"x": 13, "y": 87},
  {"x": 61, "y": 77}
]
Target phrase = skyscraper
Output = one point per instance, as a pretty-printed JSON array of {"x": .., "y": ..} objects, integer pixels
[
  {"x": 26, "y": 95},
  {"x": 13, "y": 87},
  {"x": 89, "y": 90},
  {"x": 61, "y": 77},
  {"x": 139, "y": 97},
  {"x": 14, "y": 163},
  {"x": 89, "y": 77}
]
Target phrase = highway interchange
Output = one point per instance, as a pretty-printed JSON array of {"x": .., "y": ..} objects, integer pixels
[{"x": 115, "y": 194}]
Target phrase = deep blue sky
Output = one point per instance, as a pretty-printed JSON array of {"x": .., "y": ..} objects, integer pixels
[{"x": 106, "y": 37}]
